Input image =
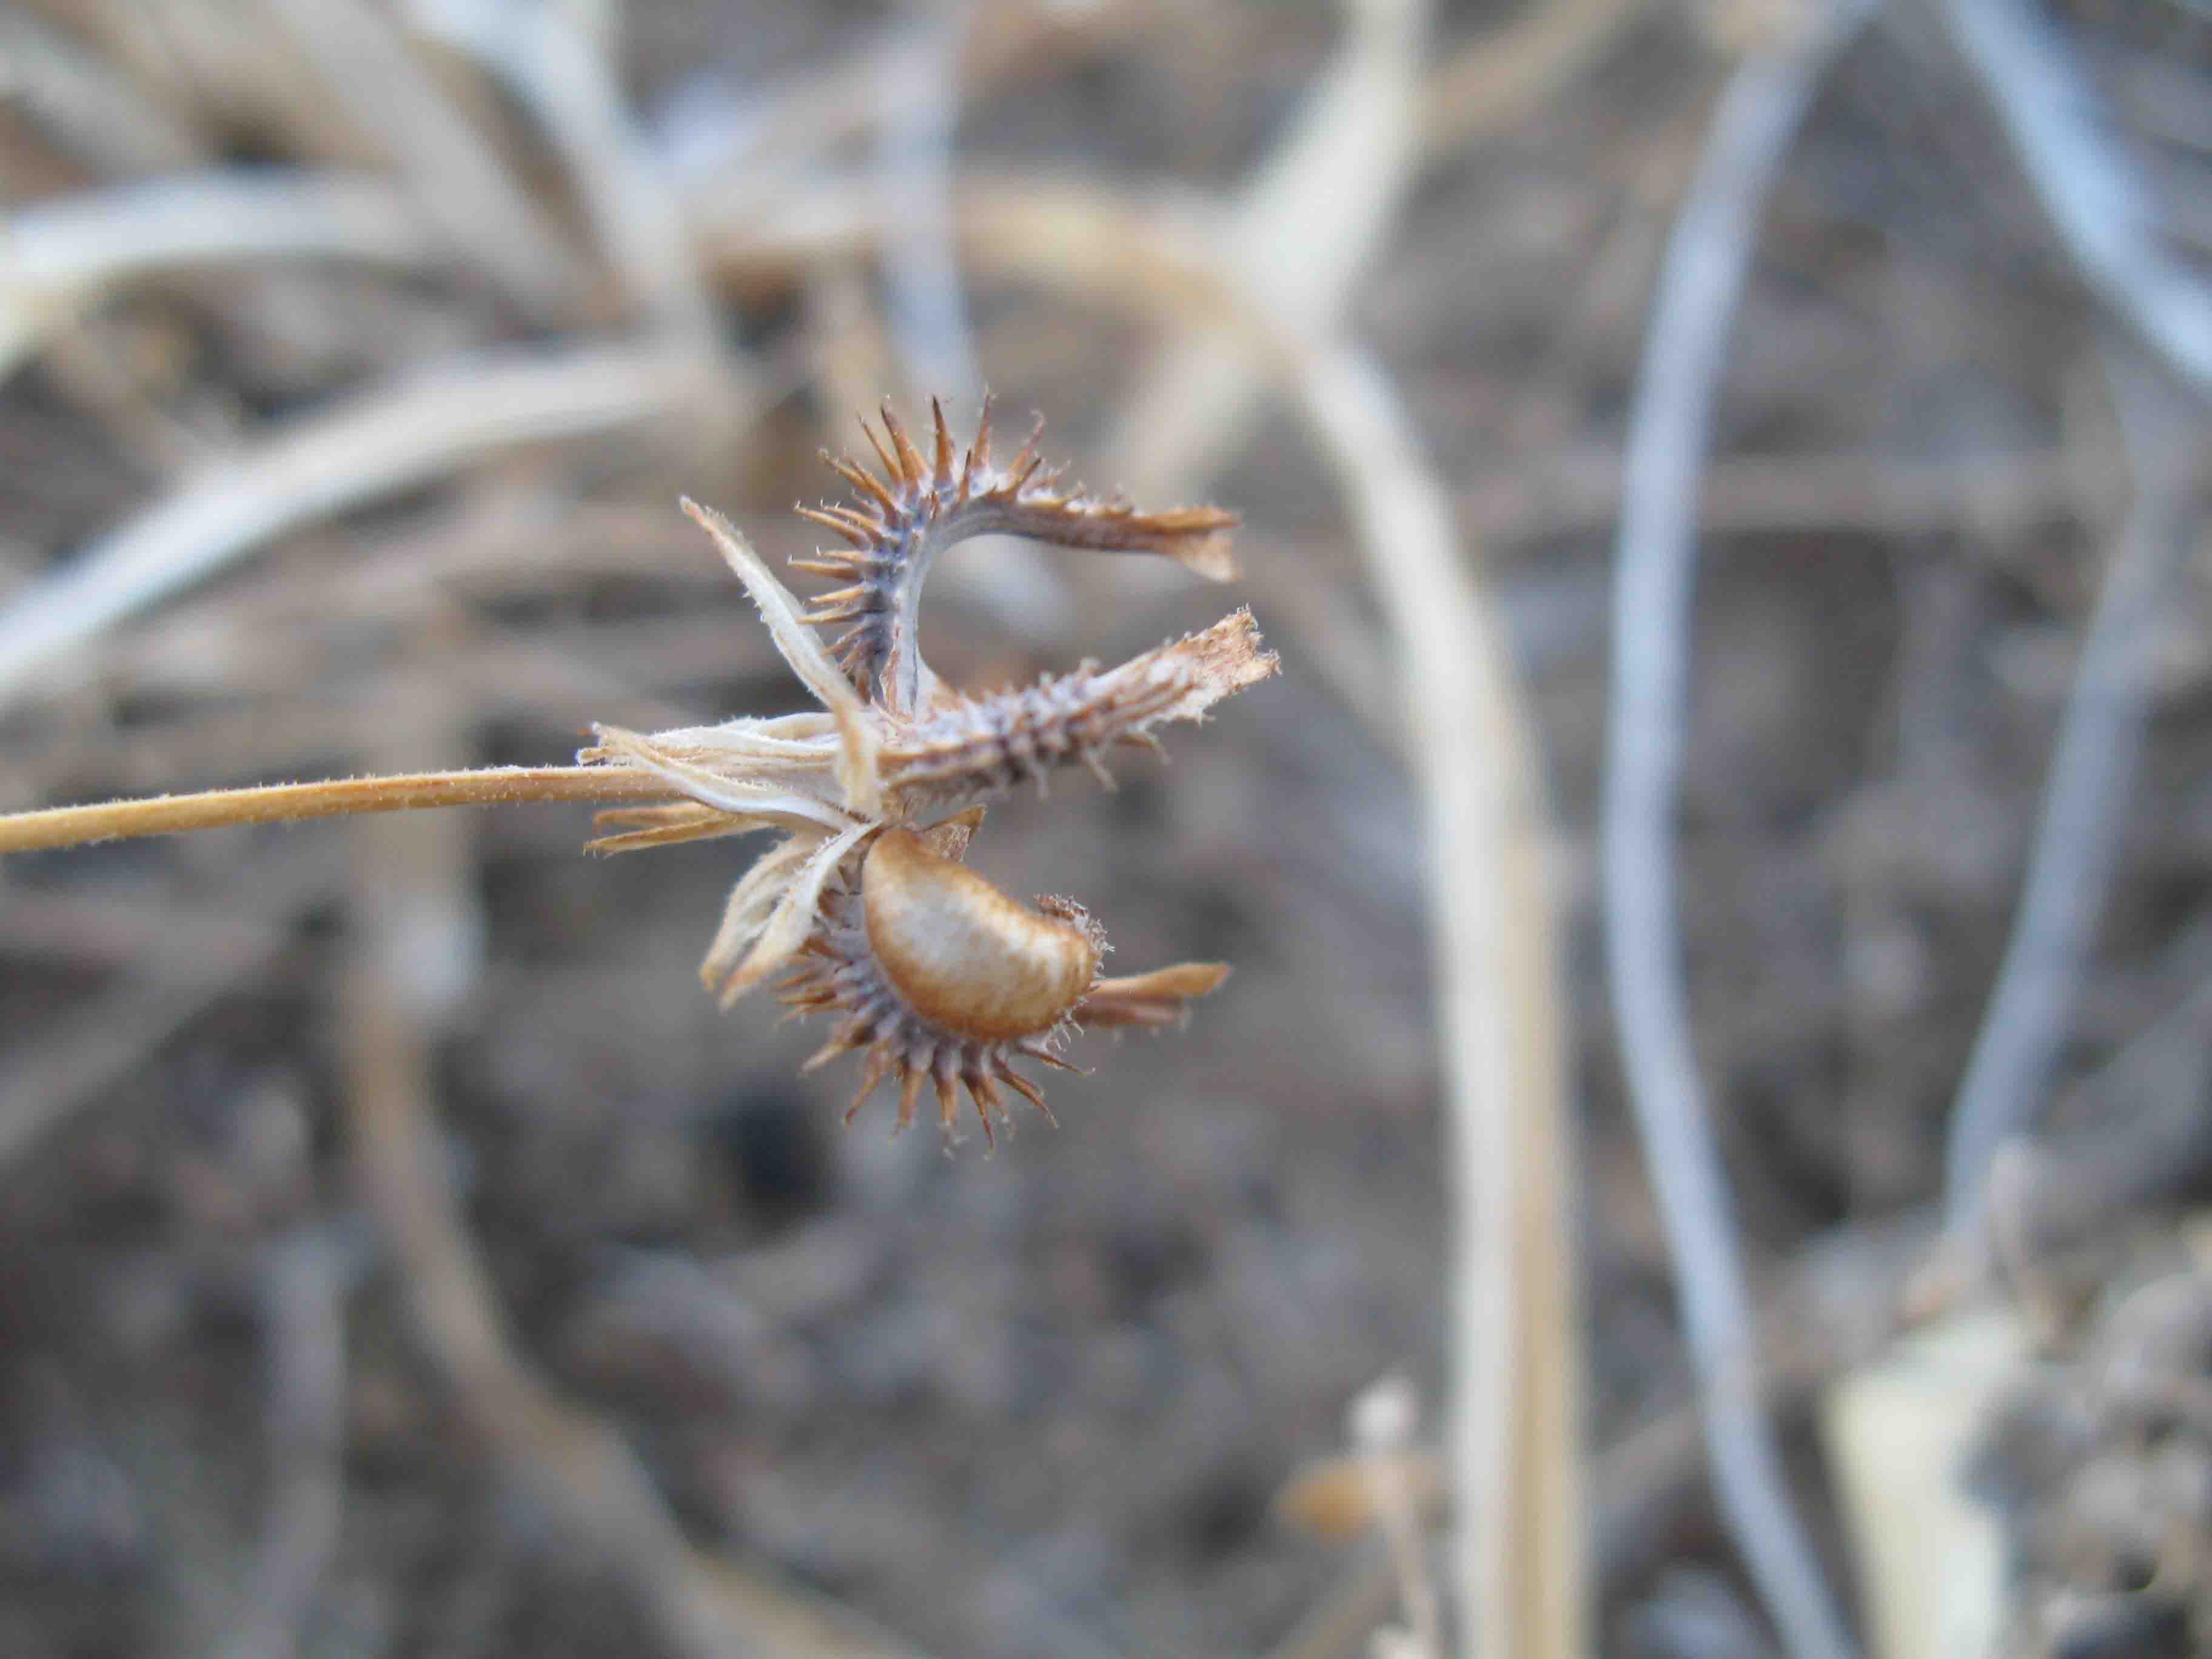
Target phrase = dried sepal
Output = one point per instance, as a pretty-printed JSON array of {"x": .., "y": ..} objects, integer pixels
[
  {"x": 643, "y": 828},
  {"x": 949, "y": 837},
  {"x": 703, "y": 773},
  {"x": 1154, "y": 1000},
  {"x": 752, "y": 903},
  {"x": 780, "y": 610},
  {"x": 917, "y": 507},
  {"x": 800, "y": 742},
  {"x": 795, "y": 882}
]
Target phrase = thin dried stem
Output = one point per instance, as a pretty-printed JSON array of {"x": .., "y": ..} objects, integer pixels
[
  {"x": 1330, "y": 191},
  {"x": 559, "y": 69},
  {"x": 1343, "y": 1618},
  {"x": 369, "y": 71},
  {"x": 338, "y": 798},
  {"x": 920, "y": 98},
  {"x": 2085, "y": 803},
  {"x": 1686, "y": 342},
  {"x": 383, "y": 441},
  {"x": 63, "y": 254},
  {"x": 1382, "y": 1421},
  {"x": 84, "y": 104},
  {"x": 2098, "y": 205}
]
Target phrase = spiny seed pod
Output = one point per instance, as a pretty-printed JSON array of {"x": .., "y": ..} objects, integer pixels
[
  {"x": 942, "y": 978},
  {"x": 965, "y": 954},
  {"x": 921, "y": 505},
  {"x": 969, "y": 747}
]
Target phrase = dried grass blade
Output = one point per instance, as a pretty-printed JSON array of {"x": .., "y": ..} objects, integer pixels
[
  {"x": 386, "y": 440},
  {"x": 62, "y": 255},
  {"x": 1302, "y": 230}
]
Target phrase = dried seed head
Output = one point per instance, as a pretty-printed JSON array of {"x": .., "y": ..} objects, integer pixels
[{"x": 943, "y": 979}]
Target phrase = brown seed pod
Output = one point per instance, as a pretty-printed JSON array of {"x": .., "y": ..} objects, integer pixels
[
  {"x": 971, "y": 747},
  {"x": 965, "y": 954},
  {"x": 923, "y": 504},
  {"x": 937, "y": 978},
  {"x": 942, "y": 978}
]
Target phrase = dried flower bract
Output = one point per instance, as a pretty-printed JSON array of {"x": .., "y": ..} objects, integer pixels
[{"x": 940, "y": 980}]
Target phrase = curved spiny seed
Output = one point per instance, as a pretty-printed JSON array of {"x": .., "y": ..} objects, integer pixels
[
  {"x": 962, "y": 955},
  {"x": 967, "y": 748},
  {"x": 942, "y": 980},
  {"x": 920, "y": 505},
  {"x": 982, "y": 746}
]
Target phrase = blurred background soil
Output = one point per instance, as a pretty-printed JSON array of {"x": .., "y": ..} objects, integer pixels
[{"x": 1041, "y": 1401}]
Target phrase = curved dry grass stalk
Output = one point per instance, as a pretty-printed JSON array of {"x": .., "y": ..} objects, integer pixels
[
  {"x": 1515, "y": 1424},
  {"x": 79, "y": 102},
  {"x": 1700, "y": 282},
  {"x": 383, "y": 441},
  {"x": 2085, "y": 800},
  {"x": 766, "y": 152},
  {"x": 1578, "y": 489},
  {"x": 920, "y": 97},
  {"x": 1301, "y": 232},
  {"x": 367, "y": 69},
  {"x": 1519, "y": 1579},
  {"x": 560, "y": 73},
  {"x": 2100, "y": 208},
  {"x": 62, "y": 256}
]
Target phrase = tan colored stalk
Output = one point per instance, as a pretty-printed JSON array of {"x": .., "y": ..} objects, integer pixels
[
  {"x": 283, "y": 803},
  {"x": 1330, "y": 189},
  {"x": 1515, "y": 1427},
  {"x": 62, "y": 255}
]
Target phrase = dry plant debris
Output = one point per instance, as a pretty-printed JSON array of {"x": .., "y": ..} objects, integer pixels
[
  {"x": 940, "y": 978},
  {"x": 309, "y": 478},
  {"x": 866, "y": 905}
]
